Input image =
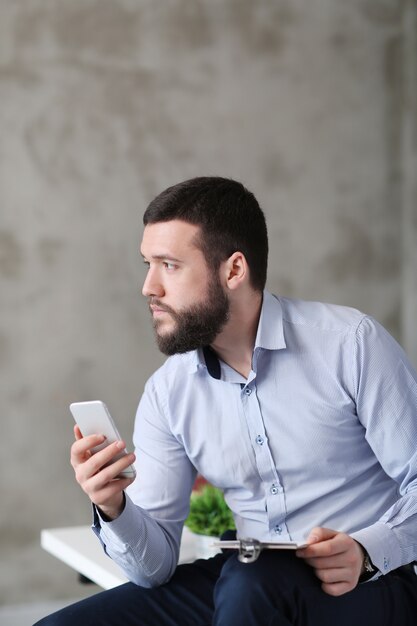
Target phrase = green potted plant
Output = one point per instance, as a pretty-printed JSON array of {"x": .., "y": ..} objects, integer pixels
[{"x": 209, "y": 518}]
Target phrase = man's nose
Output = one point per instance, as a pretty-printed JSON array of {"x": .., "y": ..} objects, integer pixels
[{"x": 152, "y": 286}]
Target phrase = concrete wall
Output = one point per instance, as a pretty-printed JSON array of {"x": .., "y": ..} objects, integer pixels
[
  {"x": 103, "y": 103},
  {"x": 408, "y": 178}
]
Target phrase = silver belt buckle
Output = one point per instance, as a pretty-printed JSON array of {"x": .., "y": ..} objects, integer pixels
[{"x": 249, "y": 550}]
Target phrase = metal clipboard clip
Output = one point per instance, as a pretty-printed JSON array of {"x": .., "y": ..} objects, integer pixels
[{"x": 250, "y": 549}]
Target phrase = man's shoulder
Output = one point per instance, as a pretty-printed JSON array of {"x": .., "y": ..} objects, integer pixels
[
  {"x": 320, "y": 315},
  {"x": 176, "y": 366}
]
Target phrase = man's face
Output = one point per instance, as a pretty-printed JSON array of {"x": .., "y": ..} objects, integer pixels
[{"x": 188, "y": 304}]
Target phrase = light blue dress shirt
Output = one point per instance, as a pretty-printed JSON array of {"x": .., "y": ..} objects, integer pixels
[{"x": 323, "y": 432}]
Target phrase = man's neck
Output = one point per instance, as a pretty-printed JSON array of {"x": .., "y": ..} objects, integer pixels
[{"x": 235, "y": 344}]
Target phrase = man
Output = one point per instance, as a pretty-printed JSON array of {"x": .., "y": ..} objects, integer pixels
[{"x": 303, "y": 413}]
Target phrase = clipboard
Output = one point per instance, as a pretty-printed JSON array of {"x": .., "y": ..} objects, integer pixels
[{"x": 250, "y": 549}]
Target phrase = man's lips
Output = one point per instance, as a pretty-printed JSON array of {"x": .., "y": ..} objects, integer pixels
[{"x": 158, "y": 309}]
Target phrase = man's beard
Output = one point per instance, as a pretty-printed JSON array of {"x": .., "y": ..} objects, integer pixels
[{"x": 197, "y": 326}]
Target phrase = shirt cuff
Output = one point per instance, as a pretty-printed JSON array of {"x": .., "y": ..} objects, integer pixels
[
  {"x": 382, "y": 546},
  {"x": 118, "y": 532}
]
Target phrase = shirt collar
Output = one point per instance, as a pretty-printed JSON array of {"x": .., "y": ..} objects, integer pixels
[{"x": 269, "y": 336}]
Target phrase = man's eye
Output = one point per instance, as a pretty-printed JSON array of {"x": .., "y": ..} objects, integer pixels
[{"x": 169, "y": 266}]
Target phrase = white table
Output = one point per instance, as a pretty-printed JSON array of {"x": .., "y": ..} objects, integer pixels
[{"x": 79, "y": 548}]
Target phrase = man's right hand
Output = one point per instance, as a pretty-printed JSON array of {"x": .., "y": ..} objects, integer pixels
[{"x": 100, "y": 483}]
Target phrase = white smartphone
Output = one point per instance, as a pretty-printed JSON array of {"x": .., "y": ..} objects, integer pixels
[{"x": 93, "y": 418}]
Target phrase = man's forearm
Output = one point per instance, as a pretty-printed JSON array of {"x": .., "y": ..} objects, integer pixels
[{"x": 145, "y": 550}]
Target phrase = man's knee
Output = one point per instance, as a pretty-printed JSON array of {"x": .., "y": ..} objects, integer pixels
[
  {"x": 64, "y": 617},
  {"x": 99, "y": 608}
]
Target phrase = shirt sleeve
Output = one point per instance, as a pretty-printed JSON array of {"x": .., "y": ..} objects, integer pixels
[
  {"x": 144, "y": 540},
  {"x": 386, "y": 397}
]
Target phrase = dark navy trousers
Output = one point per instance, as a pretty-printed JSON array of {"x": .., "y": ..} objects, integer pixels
[{"x": 278, "y": 589}]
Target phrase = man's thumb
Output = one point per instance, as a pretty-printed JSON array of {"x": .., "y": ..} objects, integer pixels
[{"x": 320, "y": 534}]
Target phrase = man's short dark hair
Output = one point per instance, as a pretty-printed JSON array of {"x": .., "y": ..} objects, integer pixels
[{"x": 228, "y": 215}]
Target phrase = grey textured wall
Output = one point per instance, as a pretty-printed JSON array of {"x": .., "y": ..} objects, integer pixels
[{"x": 103, "y": 103}]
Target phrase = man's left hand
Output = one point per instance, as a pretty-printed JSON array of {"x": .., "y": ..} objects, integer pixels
[{"x": 336, "y": 558}]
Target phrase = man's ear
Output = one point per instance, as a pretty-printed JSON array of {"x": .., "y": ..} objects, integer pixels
[{"x": 235, "y": 270}]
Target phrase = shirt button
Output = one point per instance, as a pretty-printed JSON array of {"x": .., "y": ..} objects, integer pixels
[
  {"x": 274, "y": 489},
  {"x": 248, "y": 391},
  {"x": 259, "y": 440},
  {"x": 278, "y": 529}
]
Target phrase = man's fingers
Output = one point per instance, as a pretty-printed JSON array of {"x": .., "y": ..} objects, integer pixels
[
  {"x": 329, "y": 543},
  {"x": 333, "y": 575},
  {"x": 340, "y": 557},
  {"x": 336, "y": 581},
  {"x": 96, "y": 462},
  {"x": 97, "y": 485},
  {"x": 104, "y": 456},
  {"x": 101, "y": 496},
  {"x": 336, "y": 559},
  {"x": 323, "y": 562},
  {"x": 318, "y": 534},
  {"x": 337, "y": 589},
  {"x": 81, "y": 449},
  {"x": 108, "y": 481},
  {"x": 106, "y": 474},
  {"x": 77, "y": 433},
  {"x": 84, "y": 444},
  {"x": 99, "y": 473}
]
